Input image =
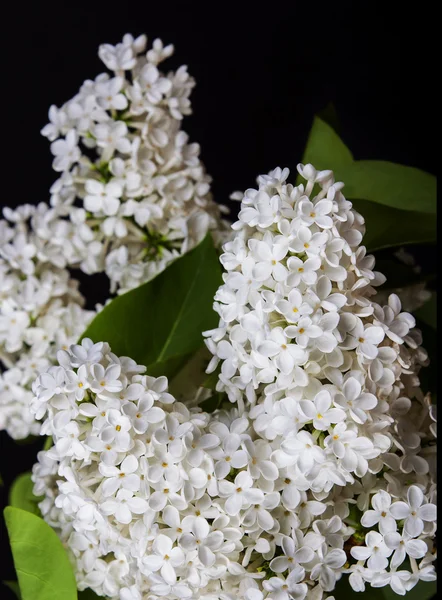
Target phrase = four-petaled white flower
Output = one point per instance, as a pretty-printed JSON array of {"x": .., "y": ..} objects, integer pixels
[
  {"x": 65, "y": 151},
  {"x": 268, "y": 258},
  {"x": 382, "y": 515},
  {"x": 289, "y": 588},
  {"x": 304, "y": 450},
  {"x": 320, "y": 411},
  {"x": 356, "y": 402},
  {"x": 330, "y": 563},
  {"x": 292, "y": 556},
  {"x": 203, "y": 540},
  {"x": 239, "y": 493},
  {"x": 376, "y": 552},
  {"x": 124, "y": 477},
  {"x": 124, "y": 505},
  {"x": 316, "y": 213},
  {"x": 302, "y": 271},
  {"x": 414, "y": 511},
  {"x": 164, "y": 558},
  {"x": 102, "y": 198},
  {"x": 404, "y": 545},
  {"x": 285, "y": 354}
]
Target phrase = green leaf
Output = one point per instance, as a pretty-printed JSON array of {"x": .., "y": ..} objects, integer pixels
[
  {"x": 169, "y": 367},
  {"x": 325, "y": 149},
  {"x": 21, "y": 495},
  {"x": 43, "y": 568},
  {"x": 14, "y": 587},
  {"x": 398, "y": 186},
  {"x": 330, "y": 116},
  {"x": 428, "y": 312},
  {"x": 387, "y": 227},
  {"x": 383, "y": 182},
  {"x": 159, "y": 324}
]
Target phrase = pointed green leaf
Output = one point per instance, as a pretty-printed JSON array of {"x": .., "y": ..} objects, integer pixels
[
  {"x": 383, "y": 182},
  {"x": 330, "y": 116},
  {"x": 159, "y": 324},
  {"x": 325, "y": 149},
  {"x": 43, "y": 568},
  {"x": 21, "y": 495},
  {"x": 398, "y": 186},
  {"x": 387, "y": 227}
]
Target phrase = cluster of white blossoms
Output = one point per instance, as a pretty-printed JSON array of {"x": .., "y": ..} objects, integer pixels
[
  {"x": 326, "y": 375},
  {"x": 322, "y": 467},
  {"x": 123, "y": 158},
  {"x": 41, "y": 309},
  {"x": 132, "y": 196}
]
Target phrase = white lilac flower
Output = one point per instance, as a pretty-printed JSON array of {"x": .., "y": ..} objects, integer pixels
[
  {"x": 132, "y": 196},
  {"x": 203, "y": 540},
  {"x": 398, "y": 581},
  {"x": 328, "y": 377},
  {"x": 41, "y": 309},
  {"x": 381, "y": 514},
  {"x": 289, "y": 588},
  {"x": 159, "y": 517},
  {"x": 123, "y": 157},
  {"x": 403, "y": 546},
  {"x": 415, "y": 511},
  {"x": 376, "y": 552},
  {"x": 164, "y": 558},
  {"x": 153, "y": 498},
  {"x": 292, "y": 556},
  {"x": 320, "y": 411},
  {"x": 123, "y": 506}
]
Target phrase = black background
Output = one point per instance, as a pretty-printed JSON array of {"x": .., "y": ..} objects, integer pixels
[{"x": 262, "y": 73}]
